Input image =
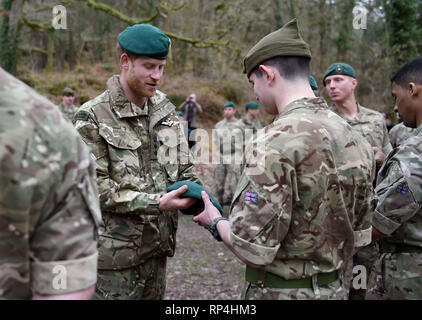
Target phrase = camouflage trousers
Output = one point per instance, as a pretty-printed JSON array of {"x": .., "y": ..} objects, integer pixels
[
  {"x": 146, "y": 281},
  {"x": 396, "y": 276},
  {"x": 366, "y": 257},
  {"x": 226, "y": 177},
  {"x": 333, "y": 291}
]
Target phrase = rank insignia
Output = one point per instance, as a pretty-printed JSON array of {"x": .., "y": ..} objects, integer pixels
[
  {"x": 402, "y": 189},
  {"x": 168, "y": 123},
  {"x": 249, "y": 196}
]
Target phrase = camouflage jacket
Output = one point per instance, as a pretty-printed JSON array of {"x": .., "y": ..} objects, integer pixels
[
  {"x": 399, "y": 189},
  {"x": 68, "y": 112},
  {"x": 49, "y": 209},
  {"x": 305, "y": 198},
  {"x": 371, "y": 125},
  {"x": 228, "y": 140},
  {"x": 255, "y": 125},
  {"x": 130, "y": 145},
  {"x": 399, "y": 134}
]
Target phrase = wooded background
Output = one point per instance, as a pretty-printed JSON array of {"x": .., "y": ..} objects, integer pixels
[{"x": 211, "y": 37}]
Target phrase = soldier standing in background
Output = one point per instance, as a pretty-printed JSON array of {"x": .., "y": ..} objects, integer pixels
[
  {"x": 340, "y": 83},
  {"x": 49, "y": 210},
  {"x": 67, "y": 106},
  {"x": 130, "y": 128},
  {"x": 303, "y": 204},
  {"x": 397, "y": 273},
  {"x": 227, "y": 137},
  {"x": 250, "y": 120}
]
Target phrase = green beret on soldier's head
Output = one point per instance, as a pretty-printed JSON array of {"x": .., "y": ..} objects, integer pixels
[
  {"x": 339, "y": 68},
  {"x": 180, "y": 113},
  {"x": 194, "y": 191},
  {"x": 68, "y": 92},
  {"x": 229, "y": 104},
  {"x": 313, "y": 83},
  {"x": 252, "y": 105},
  {"x": 144, "y": 40},
  {"x": 285, "y": 42}
]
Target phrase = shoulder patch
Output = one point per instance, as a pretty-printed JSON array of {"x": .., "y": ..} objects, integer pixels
[
  {"x": 81, "y": 115},
  {"x": 250, "y": 196},
  {"x": 402, "y": 189}
]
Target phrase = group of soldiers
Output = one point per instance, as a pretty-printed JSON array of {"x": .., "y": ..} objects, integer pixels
[{"x": 88, "y": 209}]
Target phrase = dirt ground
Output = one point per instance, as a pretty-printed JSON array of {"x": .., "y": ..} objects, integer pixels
[{"x": 202, "y": 268}]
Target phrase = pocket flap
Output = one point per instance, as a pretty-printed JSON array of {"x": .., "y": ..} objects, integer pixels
[{"x": 119, "y": 138}]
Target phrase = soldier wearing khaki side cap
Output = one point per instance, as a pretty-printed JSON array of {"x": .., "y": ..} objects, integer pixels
[
  {"x": 131, "y": 128},
  {"x": 303, "y": 204},
  {"x": 49, "y": 209}
]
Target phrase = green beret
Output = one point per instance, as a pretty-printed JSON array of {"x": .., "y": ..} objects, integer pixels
[
  {"x": 313, "y": 83},
  {"x": 194, "y": 191},
  {"x": 180, "y": 113},
  {"x": 144, "y": 40},
  {"x": 252, "y": 105},
  {"x": 229, "y": 104},
  {"x": 68, "y": 92},
  {"x": 281, "y": 43},
  {"x": 339, "y": 68}
]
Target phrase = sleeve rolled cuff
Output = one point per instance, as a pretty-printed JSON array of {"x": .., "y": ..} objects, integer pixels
[
  {"x": 62, "y": 277},
  {"x": 383, "y": 224},
  {"x": 363, "y": 237},
  {"x": 252, "y": 252}
]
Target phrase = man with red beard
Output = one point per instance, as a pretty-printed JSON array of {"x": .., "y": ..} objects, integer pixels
[{"x": 140, "y": 149}]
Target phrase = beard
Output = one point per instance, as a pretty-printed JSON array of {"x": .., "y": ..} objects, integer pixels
[{"x": 138, "y": 87}]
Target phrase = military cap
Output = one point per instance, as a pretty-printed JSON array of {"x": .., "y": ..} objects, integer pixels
[
  {"x": 313, "y": 83},
  {"x": 286, "y": 41},
  {"x": 180, "y": 113},
  {"x": 229, "y": 104},
  {"x": 252, "y": 105},
  {"x": 339, "y": 68},
  {"x": 68, "y": 92},
  {"x": 144, "y": 40},
  {"x": 194, "y": 191}
]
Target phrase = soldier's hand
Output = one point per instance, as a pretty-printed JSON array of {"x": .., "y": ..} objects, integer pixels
[
  {"x": 171, "y": 201},
  {"x": 379, "y": 156},
  {"x": 209, "y": 214}
]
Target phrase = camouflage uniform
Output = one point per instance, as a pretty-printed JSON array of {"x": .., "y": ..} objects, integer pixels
[
  {"x": 310, "y": 207},
  {"x": 129, "y": 143},
  {"x": 371, "y": 125},
  {"x": 49, "y": 211},
  {"x": 400, "y": 133},
  {"x": 228, "y": 158},
  {"x": 398, "y": 273},
  {"x": 254, "y": 126},
  {"x": 68, "y": 112}
]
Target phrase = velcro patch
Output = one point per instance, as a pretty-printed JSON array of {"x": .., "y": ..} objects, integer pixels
[
  {"x": 82, "y": 115},
  {"x": 402, "y": 189},
  {"x": 250, "y": 196}
]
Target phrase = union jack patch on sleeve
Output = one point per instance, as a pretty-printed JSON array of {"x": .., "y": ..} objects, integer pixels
[
  {"x": 402, "y": 189},
  {"x": 249, "y": 196}
]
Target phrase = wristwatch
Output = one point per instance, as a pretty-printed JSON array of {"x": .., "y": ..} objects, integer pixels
[{"x": 213, "y": 228}]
